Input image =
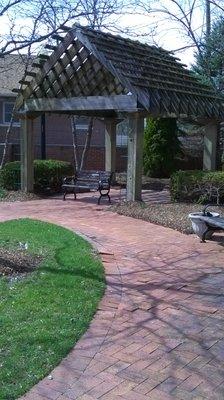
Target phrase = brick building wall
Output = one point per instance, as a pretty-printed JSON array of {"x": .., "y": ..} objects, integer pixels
[{"x": 59, "y": 140}]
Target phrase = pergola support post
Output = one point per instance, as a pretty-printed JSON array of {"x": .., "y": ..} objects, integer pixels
[
  {"x": 135, "y": 157},
  {"x": 43, "y": 137},
  {"x": 110, "y": 146},
  {"x": 27, "y": 155},
  {"x": 210, "y": 146}
]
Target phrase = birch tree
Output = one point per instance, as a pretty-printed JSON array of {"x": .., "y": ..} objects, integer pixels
[{"x": 30, "y": 24}]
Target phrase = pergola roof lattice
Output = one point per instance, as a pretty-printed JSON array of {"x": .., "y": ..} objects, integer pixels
[{"x": 92, "y": 63}]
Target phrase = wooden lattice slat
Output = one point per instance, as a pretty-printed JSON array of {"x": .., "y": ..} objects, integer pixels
[{"x": 90, "y": 63}]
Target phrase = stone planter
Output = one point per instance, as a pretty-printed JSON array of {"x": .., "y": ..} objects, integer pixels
[{"x": 199, "y": 226}]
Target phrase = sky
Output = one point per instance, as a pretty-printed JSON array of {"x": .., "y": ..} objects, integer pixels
[{"x": 167, "y": 35}]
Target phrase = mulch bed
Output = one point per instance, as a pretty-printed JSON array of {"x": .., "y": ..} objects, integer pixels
[
  {"x": 171, "y": 215},
  {"x": 13, "y": 263},
  {"x": 19, "y": 196}
]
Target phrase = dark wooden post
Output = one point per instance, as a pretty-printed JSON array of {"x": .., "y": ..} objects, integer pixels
[
  {"x": 135, "y": 157},
  {"x": 43, "y": 137},
  {"x": 110, "y": 146},
  {"x": 27, "y": 155},
  {"x": 210, "y": 146}
]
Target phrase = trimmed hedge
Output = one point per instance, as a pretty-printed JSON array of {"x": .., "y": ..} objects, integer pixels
[
  {"x": 48, "y": 175},
  {"x": 197, "y": 186}
]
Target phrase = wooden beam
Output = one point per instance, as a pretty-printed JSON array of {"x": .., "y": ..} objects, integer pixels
[
  {"x": 210, "y": 146},
  {"x": 43, "y": 137},
  {"x": 50, "y": 47},
  {"x": 57, "y": 37},
  {"x": 27, "y": 155},
  {"x": 37, "y": 65},
  {"x": 43, "y": 56},
  {"x": 69, "y": 38},
  {"x": 30, "y": 73},
  {"x": 135, "y": 157},
  {"x": 24, "y": 82},
  {"x": 89, "y": 103},
  {"x": 110, "y": 145},
  {"x": 66, "y": 28}
]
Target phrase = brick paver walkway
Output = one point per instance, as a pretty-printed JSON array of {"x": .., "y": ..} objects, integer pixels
[{"x": 158, "y": 333}]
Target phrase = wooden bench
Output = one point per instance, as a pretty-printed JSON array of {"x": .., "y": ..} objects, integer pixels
[
  {"x": 205, "y": 223},
  {"x": 88, "y": 180}
]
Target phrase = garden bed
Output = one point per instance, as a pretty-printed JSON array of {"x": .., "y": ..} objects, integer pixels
[
  {"x": 171, "y": 215},
  {"x": 17, "y": 263},
  {"x": 17, "y": 195}
]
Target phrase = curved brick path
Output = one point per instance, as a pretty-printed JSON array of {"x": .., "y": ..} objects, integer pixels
[{"x": 159, "y": 332}]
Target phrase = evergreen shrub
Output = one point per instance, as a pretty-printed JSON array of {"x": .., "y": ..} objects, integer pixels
[
  {"x": 161, "y": 147},
  {"x": 48, "y": 175},
  {"x": 197, "y": 186}
]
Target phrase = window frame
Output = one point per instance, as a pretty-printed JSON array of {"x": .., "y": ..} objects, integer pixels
[
  {"x": 82, "y": 123},
  {"x": 6, "y": 123}
]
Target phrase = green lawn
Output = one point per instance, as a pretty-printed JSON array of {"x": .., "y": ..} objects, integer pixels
[{"x": 45, "y": 313}]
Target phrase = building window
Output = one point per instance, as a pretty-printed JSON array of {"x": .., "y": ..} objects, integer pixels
[
  {"x": 122, "y": 134},
  {"x": 7, "y": 113},
  {"x": 82, "y": 123}
]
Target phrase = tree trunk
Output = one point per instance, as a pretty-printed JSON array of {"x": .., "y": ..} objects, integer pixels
[
  {"x": 7, "y": 135},
  {"x": 87, "y": 143},
  {"x": 208, "y": 18},
  {"x": 74, "y": 142}
]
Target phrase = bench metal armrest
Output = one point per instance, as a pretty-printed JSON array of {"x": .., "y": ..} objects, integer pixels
[
  {"x": 69, "y": 180},
  {"x": 104, "y": 183}
]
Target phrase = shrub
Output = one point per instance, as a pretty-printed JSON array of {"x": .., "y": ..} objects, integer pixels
[
  {"x": 2, "y": 193},
  {"x": 10, "y": 176},
  {"x": 161, "y": 147},
  {"x": 197, "y": 186},
  {"x": 48, "y": 174}
]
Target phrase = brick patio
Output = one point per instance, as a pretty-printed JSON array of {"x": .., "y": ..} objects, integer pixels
[{"x": 158, "y": 333}]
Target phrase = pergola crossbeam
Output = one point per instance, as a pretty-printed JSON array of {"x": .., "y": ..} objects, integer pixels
[{"x": 90, "y": 103}]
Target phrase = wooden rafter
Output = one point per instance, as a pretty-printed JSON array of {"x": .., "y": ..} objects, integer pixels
[{"x": 91, "y": 63}]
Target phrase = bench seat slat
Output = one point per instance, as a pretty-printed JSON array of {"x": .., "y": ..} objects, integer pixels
[
  {"x": 217, "y": 222},
  {"x": 91, "y": 180}
]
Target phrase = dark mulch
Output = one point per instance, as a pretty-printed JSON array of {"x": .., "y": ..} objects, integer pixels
[
  {"x": 148, "y": 183},
  {"x": 18, "y": 196},
  {"x": 17, "y": 262},
  {"x": 172, "y": 215}
]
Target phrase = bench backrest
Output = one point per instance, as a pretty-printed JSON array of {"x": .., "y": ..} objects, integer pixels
[{"x": 93, "y": 176}]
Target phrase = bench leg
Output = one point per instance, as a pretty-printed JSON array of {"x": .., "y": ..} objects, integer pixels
[
  {"x": 203, "y": 237},
  {"x": 66, "y": 192},
  {"x": 104, "y": 195}
]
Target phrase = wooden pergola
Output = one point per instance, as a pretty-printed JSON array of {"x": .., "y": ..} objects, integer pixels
[{"x": 97, "y": 74}]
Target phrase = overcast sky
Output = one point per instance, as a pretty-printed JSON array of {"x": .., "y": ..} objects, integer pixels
[{"x": 168, "y": 35}]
